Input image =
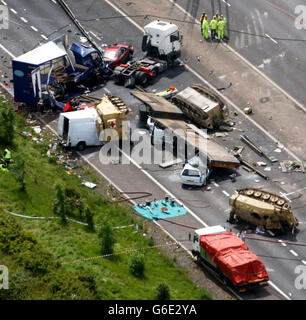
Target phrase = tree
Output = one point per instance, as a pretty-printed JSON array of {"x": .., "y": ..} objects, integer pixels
[
  {"x": 7, "y": 127},
  {"x": 59, "y": 205},
  {"x": 73, "y": 202},
  {"x": 107, "y": 237},
  {"x": 162, "y": 292},
  {"x": 89, "y": 220},
  {"x": 18, "y": 171},
  {"x": 137, "y": 264}
]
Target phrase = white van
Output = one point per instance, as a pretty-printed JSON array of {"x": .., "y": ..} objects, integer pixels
[
  {"x": 79, "y": 128},
  {"x": 195, "y": 173}
]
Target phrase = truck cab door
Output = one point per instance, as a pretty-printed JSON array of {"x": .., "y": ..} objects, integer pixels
[
  {"x": 158, "y": 136},
  {"x": 36, "y": 82},
  {"x": 175, "y": 41}
]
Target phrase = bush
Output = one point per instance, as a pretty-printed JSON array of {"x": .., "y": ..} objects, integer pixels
[
  {"x": 18, "y": 171},
  {"x": 162, "y": 292},
  {"x": 137, "y": 264},
  {"x": 59, "y": 205},
  {"x": 7, "y": 130},
  {"x": 37, "y": 270},
  {"x": 73, "y": 202},
  {"x": 107, "y": 237},
  {"x": 89, "y": 220}
]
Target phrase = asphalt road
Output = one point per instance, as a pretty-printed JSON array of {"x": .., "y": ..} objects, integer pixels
[
  {"x": 265, "y": 33},
  {"x": 279, "y": 260}
]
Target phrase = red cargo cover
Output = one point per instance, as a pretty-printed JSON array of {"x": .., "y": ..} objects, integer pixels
[{"x": 233, "y": 258}]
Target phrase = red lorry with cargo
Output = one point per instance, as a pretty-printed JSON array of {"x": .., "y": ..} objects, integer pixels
[{"x": 229, "y": 258}]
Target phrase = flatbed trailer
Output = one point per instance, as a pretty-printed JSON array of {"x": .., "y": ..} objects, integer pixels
[{"x": 168, "y": 116}]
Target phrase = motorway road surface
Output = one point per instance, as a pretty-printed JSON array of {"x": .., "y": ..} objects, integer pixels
[
  {"x": 280, "y": 260},
  {"x": 265, "y": 33}
]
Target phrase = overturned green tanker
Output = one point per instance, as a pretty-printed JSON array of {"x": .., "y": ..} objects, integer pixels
[{"x": 263, "y": 209}]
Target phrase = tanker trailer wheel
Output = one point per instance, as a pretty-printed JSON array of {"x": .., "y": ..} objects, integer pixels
[{"x": 232, "y": 219}]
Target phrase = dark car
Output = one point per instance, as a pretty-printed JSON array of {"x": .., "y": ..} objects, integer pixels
[{"x": 116, "y": 54}]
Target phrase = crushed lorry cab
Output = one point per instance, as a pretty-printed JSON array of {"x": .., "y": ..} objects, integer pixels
[
  {"x": 229, "y": 258},
  {"x": 53, "y": 66},
  {"x": 263, "y": 209},
  {"x": 203, "y": 106},
  {"x": 93, "y": 126}
]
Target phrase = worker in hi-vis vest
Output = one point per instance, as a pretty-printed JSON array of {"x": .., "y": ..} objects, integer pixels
[
  {"x": 213, "y": 27},
  {"x": 220, "y": 28},
  {"x": 201, "y": 21},
  {"x": 205, "y": 27},
  {"x": 7, "y": 156},
  {"x": 3, "y": 167},
  {"x": 225, "y": 25}
]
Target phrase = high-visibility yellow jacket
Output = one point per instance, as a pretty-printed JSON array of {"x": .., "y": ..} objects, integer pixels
[
  {"x": 7, "y": 154},
  {"x": 205, "y": 24},
  {"x": 3, "y": 168},
  {"x": 221, "y": 25},
  {"x": 213, "y": 24}
]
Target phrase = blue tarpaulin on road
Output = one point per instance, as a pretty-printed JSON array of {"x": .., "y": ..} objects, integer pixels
[{"x": 161, "y": 210}]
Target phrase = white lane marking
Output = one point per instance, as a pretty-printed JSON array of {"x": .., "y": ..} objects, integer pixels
[
  {"x": 14, "y": 11},
  {"x": 95, "y": 35},
  {"x": 24, "y": 19},
  {"x": 294, "y": 253},
  {"x": 303, "y": 261},
  {"x": 279, "y": 290},
  {"x": 271, "y": 38},
  {"x": 226, "y": 193},
  {"x": 125, "y": 16},
  {"x": 216, "y": 184},
  {"x": 8, "y": 52},
  {"x": 54, "y": 1},
  {"x": 226, "y": 3},
  {"x": 43, "y": 36},
  {"x": 4, "y": 2},
  {"x": 35, "y": 29},
  {"x": 105, "y": 89},
  {"x": 281, "y": 242}
]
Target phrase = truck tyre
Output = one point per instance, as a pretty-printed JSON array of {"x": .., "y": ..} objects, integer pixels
[
  {"x": 81, "y": 146},
  {"x": 143, "y": 79},
  {"x": 154, "y": 73},
  {"x": 224, "y": 280},
  {"x": 129, "y": 82}
]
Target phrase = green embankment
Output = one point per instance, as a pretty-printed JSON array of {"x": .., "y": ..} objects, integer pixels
[{"x": 40, "y": 254}]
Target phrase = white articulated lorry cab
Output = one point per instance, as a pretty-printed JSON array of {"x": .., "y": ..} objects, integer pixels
[
  {"x": 162, "y": 40},
  {"x": 161, "y": 44}
]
